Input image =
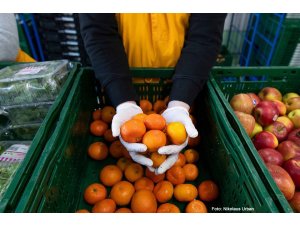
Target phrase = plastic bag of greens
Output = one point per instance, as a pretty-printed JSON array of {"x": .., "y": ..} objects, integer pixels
[
  {"x": 19, "y": 132},
  {"x": 25, "y": 113},
  {"x": 10, "y": 161},
  {"x": 32, "y": 82}
]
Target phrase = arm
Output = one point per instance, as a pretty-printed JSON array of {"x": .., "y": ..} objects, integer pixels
[
  {"x": 105, "y": 49},
  {"x": 202, "y": 44}
]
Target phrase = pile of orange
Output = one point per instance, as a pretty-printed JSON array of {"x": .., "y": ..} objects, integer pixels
[{"x": 126, "y": 186}]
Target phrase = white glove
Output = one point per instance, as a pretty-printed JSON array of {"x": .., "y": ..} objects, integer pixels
[
  {"x": 177, "y": 111},
  {"x": 125, "y": 112}
]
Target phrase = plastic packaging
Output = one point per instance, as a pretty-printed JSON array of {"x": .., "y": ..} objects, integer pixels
[
  {"x": 10, "y": 159},
  {"x": 32, "y": 82},
  {"x": 19, "y": 132},
  {"x": 24, "y": 114}
]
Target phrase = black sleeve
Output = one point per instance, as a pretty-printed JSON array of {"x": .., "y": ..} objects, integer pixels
[
  {"x": 106, "y": 51},
  {"x": 202, "y": 44}
]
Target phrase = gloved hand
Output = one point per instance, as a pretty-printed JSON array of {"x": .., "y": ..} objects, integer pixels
[
  {"x": 124, "y": 112},
  {"x": 177, "y": 111}
]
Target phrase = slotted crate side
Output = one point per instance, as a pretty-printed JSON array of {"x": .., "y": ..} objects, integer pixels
[
  {"x": 62, "y": 172},
  {"x": 286, "y": 79},
  {"x": 15, "y": 189}
]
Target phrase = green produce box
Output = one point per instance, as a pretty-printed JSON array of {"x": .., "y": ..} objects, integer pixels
[
  {"x": 15, "y": 188},
  {"x": 64, "y": 169},
  {"x": 286, "y": 79}
]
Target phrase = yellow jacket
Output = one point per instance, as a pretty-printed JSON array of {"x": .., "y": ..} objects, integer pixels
[{"x": 152, "y": 39}]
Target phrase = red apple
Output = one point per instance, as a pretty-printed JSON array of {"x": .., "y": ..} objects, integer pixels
[
  {"x": 287, "y": 122},
  {"x": 270, "y": 93},
  {"x": 295, "y": 136},
  {"x": 265, "y": 113},
  {"x": 265, "y": 139},
  {"x": 292, "y": 166},
  {"x": 281, "y": 107},
  {"x": 255, "y": 99},
  {"x": 288, "y": 149},
  {"x": 247, "y": 121},
  {"x": 242, "y": 103},
  {"x": 283, "y": 180},
  {"x": 289, "y": 95},
  {"x": 292, "y": 104},
  {"x": 271, "y": 156},
  {"x": 294, "y": 116},
  {"x": 278, "y": 129},
  {"x": 295, "y": 202}
]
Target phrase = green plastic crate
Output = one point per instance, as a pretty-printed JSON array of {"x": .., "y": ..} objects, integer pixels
[
  {"x": 15, "y": 189},
  {"x": 64, "y": 169},
  {"x": 286, "y": 79}
]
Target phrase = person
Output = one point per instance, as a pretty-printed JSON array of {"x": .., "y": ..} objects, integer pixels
[
  {"x": 10, "y": 50},
  {"x": 188, "y": 42}
]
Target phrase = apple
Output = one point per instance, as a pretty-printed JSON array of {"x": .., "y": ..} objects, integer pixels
[
  {"x": 265, "y": 113},
  {"x": 242, "y": 103},
  {"x": 292, "y": 104},
  {"x": 255, "y": 99},
  {"x": 278, "y": 129},
  {"x": 288, "y": 149},
  {"x": 257, "y": 128},
  {"x": 292, "y": 166},
  {"x": 280, "y": 106},
  {"x": 294, "y": 136},
  {"x": 287, "y": 122},
  {"x": 283, "y": 180},
  {"x": 270, "y": 93},
  {"x": 247, "y": 121},
  {"x": 265, "y": 139},
  {"x": 288, "y": 96},
  {"x": 295, "y": 202},
  {"x": 270, "y": 155},
  {"x": 294, "y": 116}
]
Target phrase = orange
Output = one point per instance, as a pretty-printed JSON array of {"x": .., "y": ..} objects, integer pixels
[
  {"x": 97, "y": 114},
  {"x": 193, "y": 142},
  {"x": 108, "y": 136},
  {"x": 155, "y": 122},
  {"x": 94, "y": 192},
  {"x": 122, "y": 193},
  {"x": 143, "y": 201},
  {"x": 144, "y": 183},
  {"x": 190, "y": 171},
  {"x": 98, "y": 151},
  {"x": 105, "y": 206},
  {"x": 108, "y": 113},
  {"x": 145, "y": 105},
  {"x": 116, "y": 149},
  {"x": 208, "y": 191},
  {"x": 176, "y": 175},
  {"x": 110, "y": 175},
  {"x": 150, "y": 112},
  {"x": 194, "y": 121},
  {"x": 168, "y": 208},
  {"x": 176, "y": 133},
  {"x": 163, "y": 191},
  {"x": 166, "y": 100},
  {"x": 185, "y": 192},
  {"x": 154, "y": 139},
  {"x": 133, "y": 130},
  {"x": 140, "y": 116},
  {"x": 126, "y": 153},
  {"x": 123, "y": 210},
  {"x": 98, "y": 127},
  {"x": 191, "y": 155},
  {"x": 157, "y": 159},
  {"x": 159, "y": 105},
  {"x": 180, "y": 161},
  {"x": 196, "y": 206},
  {"x": 154, "y": 177},
  {"x": 123, "y": 162},
  {"x": 133, "y": 172},
  {"x": 82, "y": 211}
]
